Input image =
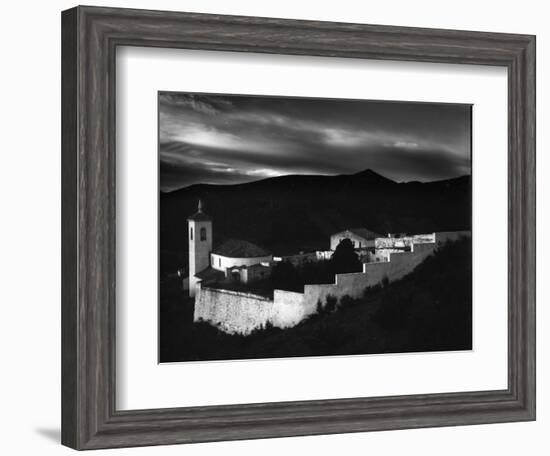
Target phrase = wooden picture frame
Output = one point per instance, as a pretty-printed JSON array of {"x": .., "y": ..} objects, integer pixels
[{"x": 90, "y": 36}]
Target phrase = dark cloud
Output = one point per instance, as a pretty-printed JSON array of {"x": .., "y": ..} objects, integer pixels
[{"x": 234, "y": 139}]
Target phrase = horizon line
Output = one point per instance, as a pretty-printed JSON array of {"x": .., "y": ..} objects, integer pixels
[{"x": 318, "y": 174}]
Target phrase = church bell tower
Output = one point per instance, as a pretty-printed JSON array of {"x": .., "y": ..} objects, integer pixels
[{"x": 200, "y": 245}]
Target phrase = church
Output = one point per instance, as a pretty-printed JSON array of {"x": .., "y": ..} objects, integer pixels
[
  {"x": 233, "y": 260},
  {"x": 238, "y": 310}
]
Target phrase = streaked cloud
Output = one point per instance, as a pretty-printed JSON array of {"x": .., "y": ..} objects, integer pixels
[{"x": 234, "y": 139}]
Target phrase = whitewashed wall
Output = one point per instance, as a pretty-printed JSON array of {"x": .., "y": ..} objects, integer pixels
[
  {"x": 237, "y": 312},
  {"x": 221, "y": 263},
  {"x": 232, "y": 311}
]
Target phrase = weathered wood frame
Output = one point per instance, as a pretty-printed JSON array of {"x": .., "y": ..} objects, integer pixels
[{"x": 90, "y": 36}]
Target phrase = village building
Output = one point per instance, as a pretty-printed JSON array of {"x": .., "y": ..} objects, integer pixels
[
  {"x": 241, "y": 261},
  {"x": 236, "y": 252},
  {"x": 402, "y": 240},
  {"x": 234, "y": 260}
]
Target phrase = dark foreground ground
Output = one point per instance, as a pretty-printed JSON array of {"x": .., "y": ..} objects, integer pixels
[{"x": 428, "y": 310}]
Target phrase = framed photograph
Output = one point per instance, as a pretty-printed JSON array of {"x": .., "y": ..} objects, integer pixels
[
  {"x": 279, "y": 228},
  {"x": 283, "y": 213}
]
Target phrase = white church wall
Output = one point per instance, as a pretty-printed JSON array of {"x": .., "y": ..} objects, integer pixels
[{"x": 221, "y": 263}]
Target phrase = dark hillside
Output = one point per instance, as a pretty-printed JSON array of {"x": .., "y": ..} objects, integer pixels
[{"x": 299, "y": 212}]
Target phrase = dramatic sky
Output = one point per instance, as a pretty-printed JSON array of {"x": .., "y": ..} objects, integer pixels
[{"x": 221, "y": 139}]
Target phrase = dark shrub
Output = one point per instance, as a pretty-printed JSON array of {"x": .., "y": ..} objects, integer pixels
[
  {"x": 331, "y": 303},
  {"x": 344, "y": 259}
]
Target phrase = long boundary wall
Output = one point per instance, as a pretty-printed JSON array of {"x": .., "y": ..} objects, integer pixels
[{"x": 238, "y": 312}]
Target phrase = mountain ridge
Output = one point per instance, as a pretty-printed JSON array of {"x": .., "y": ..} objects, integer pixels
[{"x": 366, "y": 173}]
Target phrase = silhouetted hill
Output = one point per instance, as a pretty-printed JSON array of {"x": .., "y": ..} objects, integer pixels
[{"x": 299, "y": 212}]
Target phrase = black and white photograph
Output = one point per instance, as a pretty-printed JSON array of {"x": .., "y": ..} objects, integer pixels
[
  {"x": 275, "y": 228},
  {"x": 296, "y": 227}
]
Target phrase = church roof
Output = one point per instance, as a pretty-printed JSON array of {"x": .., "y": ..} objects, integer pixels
[
  {"x": 236, "y": 248},
  {"x": 199, "y": 217},
  {"x": 210, "y": 274},
  {"x": 361, "y": 232}
]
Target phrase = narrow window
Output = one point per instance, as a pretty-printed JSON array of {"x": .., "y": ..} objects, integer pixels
[
  {"x": 191, "y": 233},
  {"x": 220, "y": 262},
  {"x": 203, "y": 234}
]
